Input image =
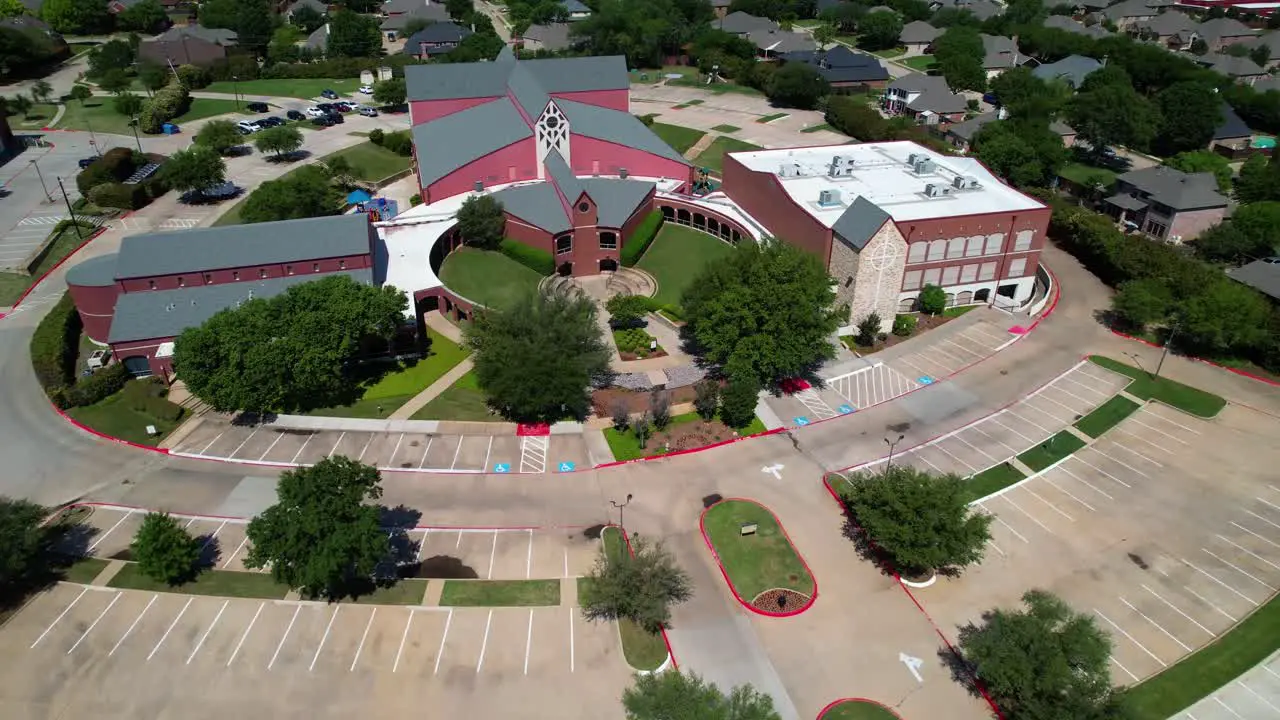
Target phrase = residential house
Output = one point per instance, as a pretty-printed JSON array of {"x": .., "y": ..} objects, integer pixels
[
  {"x": 1218, "y": 33},
  {"x": 1271, "y": 41},
  {"x": 1061, "y": 22},
  {"x": 1241, "y": 69},
  {"x": 1261, "y": 275},
  {"x": 1232, "y": 134},
  {"x": 435, "y": 39},
  {"x": 843, "y": 68},
  {"x": 1072, "y": 70},
  {"x": 926, "y": 98},
  {"x": 1084, "y": 7},
  {"x": 37, "y": 28},
  {"x": 316, "y": 5},
  {"x": 575, "y": 10},
  {"x": 1174, "y": 30},
  {"x": 392, "y": 8},
  {"x": 917, "y": 36},
  {"x": 1269, "y": 84},
  {"x": 961, "y": 134},
  {"x": 981, "y": 9},
  {"x": 743, "y": 24},
  {"x": 1128, "y": 13},
  {"x": 1064, "y": 131},
  {"x": 1001, "y": 53},
  {"x": 318, "y": 40},
  {"x": 393, "y": 26},
  {"x": 769, "y": 38},
  {"x": 554, "y": 36},
  {"x": 1168, "y": 204},
  {"x": 188, "y": 45}
]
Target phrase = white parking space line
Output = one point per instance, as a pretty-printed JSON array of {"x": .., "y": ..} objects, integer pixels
[
  {"x": 1060, "y": 489},
  {"x": 996, "y": 420},
  {"x": 205, "y": 636},
  {"x": 1216, "y": 580},
  {"x": 244, "y": 442},
  {"x": 1138, "y": 437},
  {"x": 363, "y": 637},
  {"x": 1268, "y": 504},
  {"x": 528, "y": 643},
  {"x": 95, "y": 622},
  {"x": 1175, "y": 438},
  {"x": 814, "y": 403},
  {"x": 1156, "y": 625},
  {"x": 1263, "y": 519},
  {"x": 996, "y": 547},
  {"x": 1263, "y": 539},
  {"x": 324, "y": 638},
  {"x": 1261, "y": 699},
  {"x": 1238, "y": 569},
  {"x": 405, "y": 636},
  {"x": 133, "y": 625},
  {"x": 1248, "y": 552},
  {"x": 396, "y": 449},
  {"x": 1020, "y": 418},
  {"x": 533, "y": 454},
  {"x": 365, "y": 449},
  {"x": 1122, "y": 631},
  {"x": 1174, "y": 608},
  {"x": 528, "y": 561},
  {"x": 172, "y": 625},
  {"x": 425, "y": 450},
  {"x": 484, "y": 644},
  {"x": 493, "y": 552},
  {"x": 1005, "y": 524},
  {"x": 104, "y": 535},
  {"x": 247, "y": 630},
  {"x": 978, "y": 429},
  {"x": 60, "y": 616},
  {"x": 1118, "y": 461},
  {"x": 211, "y": 442},
  {"x": 304, "y": 447},
  {"x": 1044, "y": 396},
  {"x": 1206, "y": 601},
  {"x": 1029, "y": 515},
  {"x": 1131, "y": 451},
  {"x": 980, "y": 451},
  {"x": 1089, "y": 388},
  {"x": 571, "y": 654},
  {"x": 1076, "y": 457},
  {"x": 457, "y": 451},
  {"x": 1227, "y": 707},
  {"x": 336, "y": 443},
  {"x": 214, "y": 536},
  {"x": 921, "y": 456},
  {"x": 1122, "y": 667},
  {"x": 1053, "y": 507},
  {"x": 284, "y": 637},
  {"x": 938, "y": 446},
  {"x": 237, "y": 552},
  {"x": 270, "y": 447},
  {"x": 443, "y": 636},
  {"x": 488, "y": 451}
]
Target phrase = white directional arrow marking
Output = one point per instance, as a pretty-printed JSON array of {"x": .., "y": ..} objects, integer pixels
[
  {"x": 913, "y": 665},
  {"x": 774, "y": 469}
]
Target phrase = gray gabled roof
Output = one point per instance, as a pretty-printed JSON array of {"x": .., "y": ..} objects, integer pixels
[
  {"x": 919, "y": 31},
  {"x": 1231, "y": 126},
  {"x": 217, "y": 36},
  {"x": 554, "y": 36},
  {"x": 1062, "y": 22},
  {"x": 859, "y": 223},
  {"x": 1232, "y": 66},
  {"x": 1176, "y": 189},
  {"x": 574, "y": 6},
  {"x": 781, "y": 41},
  {"x": 1224, "y": 27},
  {"x": 313, "y": 4},
  {"x": 1072, "y": 68},
  {"x": 450, "y": 142},
  {"x": 443, "y": 81},
  {"x": 455, "y": 81},
  {"x": 981, "y": 9},
  {"x": 1130, "y": 9},
  {"x": 539, "y": 205},
  {"x": 967, "y": 129},
  {"x": 166, "y": 313},
  {"x": 536, "y": 204},
  {"x": 1260, "y": 275},
  {"x": 616, "y": 200},
  {"x": 1270, "y": 84},
  {"x": 741, "y": 23},
  {"x": 616, "y": 127},
  {"x": 559, "y": 173},
  {"x": 1169, "y": 23},
  {"x": 434, "y": 13},
  {"x": 919, "y": 82},
  {"x": 580, "y": 74},
  {"x": 527, "y": 92},
  {"x": 319, "y": 38},
  {"x": 437, "y": 32},
  {"x": 194, "y": 251}
]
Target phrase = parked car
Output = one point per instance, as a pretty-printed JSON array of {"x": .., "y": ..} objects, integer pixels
[
  {"x": 326, "y": 107},
  {"x": 257, "y": 107},
  {"x": 272, "y": 121},
  {"x": 336, "y": 118},
  {"x": 248, "y": 126},
  {"x": 213, "y": 193},
  {"x": 368, "y": 112},
  {"x": 315, "y": 112},
  {"x": 86, "y": 162},
  {"x": 329, "y": 94},
  {"x": 366, "y": 89},
  {"x": 295, "y": 115},
  {"x": 342, "y": 107},
  {"x": 323, "y": 121},
  {"x": 98, "y": 359}
]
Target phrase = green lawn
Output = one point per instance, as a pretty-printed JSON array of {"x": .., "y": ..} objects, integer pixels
[
  {"x": 406, "y": 591},
  {"x": 12, "y": 285},
  {"x": 759, "y": 562},
  {"x": 923, "y": 63},
  {"x": 990, "y": 480},
  {"x": 373, "y": 162},
  {"x": 114, "y": 417},
  {"x": 890, "y": 53},
  {"x": 1209, "y": 668},
  {"x": 691, "y": 103},
  {"x": 676, "y": 256},
  {"x": 625, "y": 446},
  {"x": 858, "y": 710},
  {"x": 304, "y": 88},
  {"x": 816, "y": 128},
  {"x": 771, "y": 118},
  {"x": 225, "y": 583},
  {"x": 500, "y": 593},
  {"x": 39, "y": 116},
  {"x": 955, "y": 312},
  {"x": 389, "y": 389},
  {"x": 726, "y": 128},
  {"x": 487, "y": 277},
  {"x": 1183, "y": 397},
  {"x": 713, "y": 156},
  {"x": 679, "y": 138},
  {"x": 1051, "y": 451},
  {"x": 462, "y": 401},
  {"x": 1086, "y": 175},
  {"x": 1106, "y": 416},
  {"x": 84, "y": 570},
  {"x": 643, "y": 650},
  {"x": 99, "y": 114}
]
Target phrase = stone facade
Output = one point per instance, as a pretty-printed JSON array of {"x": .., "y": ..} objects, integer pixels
[{"x": 869, "y": 280}]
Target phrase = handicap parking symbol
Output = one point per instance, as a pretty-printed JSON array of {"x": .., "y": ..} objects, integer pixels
[
  {"x": 801, "y": 420},
  {"x": 566, "y": 467},
  {"x": 924, "y": 380},
  {"x": 502, "y": 468},
  {"x": 845, "y": 409}
]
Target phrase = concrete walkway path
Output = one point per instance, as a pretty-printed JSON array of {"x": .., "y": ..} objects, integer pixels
[
  {"x": 417, "y": 402},
  {"x": 703, "y": 143},
  {"x": 441, "y": 324}
]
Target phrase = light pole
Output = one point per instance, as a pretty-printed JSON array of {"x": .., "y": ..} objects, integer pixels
[
  {"x": 235, "y": 89},
  {"x": 43, "y": 187},
  {"x": 70, "y": 210},
  {"x": 892, "y": 444},
  {"x": 1164, "y": 352},
  {"x": 134, "y": 124},
  {"x": 621, "y": 524}
]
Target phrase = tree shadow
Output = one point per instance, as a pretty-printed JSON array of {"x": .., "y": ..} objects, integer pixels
[
  {"x": 594, "y": 532},
  {"x": 442, "y": 567},
  {"x": 210, "y": 552}
]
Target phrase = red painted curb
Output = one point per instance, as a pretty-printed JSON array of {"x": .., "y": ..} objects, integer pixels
[
  {"x": 976, "y": 682},
  {"x": 532, "y": 429},
  {"x": 104, "y": 436},
  {"x": 665, "y": 640},
  {"x": 866, "y": 701},
  {"x": 725, "y": 574},
  {"x": 59, "y": 264},
  {"x": 689, "y": 451},
  {"x": 1242, "y": 373}
]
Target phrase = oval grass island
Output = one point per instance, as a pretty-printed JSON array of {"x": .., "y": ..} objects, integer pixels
[
  {"x": 857, "y": 709},
  {"x": 763, "y": 569}
]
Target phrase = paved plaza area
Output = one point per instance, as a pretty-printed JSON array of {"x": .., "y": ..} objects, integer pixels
[{"x": 96, "y": 652}]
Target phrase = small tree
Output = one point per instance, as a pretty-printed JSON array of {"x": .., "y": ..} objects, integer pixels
[
  {"x": 660, "y": 409},
  {"x": 195, "y": 168},
  {"x": 642, "y": 428},
  {"x": 152, "y": 76},
  {"x": 641, "y": 585},
  {"x": 922, "y": 521},
  {"x": 1139, "y": 303},
  {"x": 115, "y": 80},
  {"x": 797, "y": 85},
  {"x": 127, "y": 104},
  {"x": 80, "y": 93},
  {"x": 932, "y": 300},
  {"x": 391, "y": 93},
  {"x": 481, "y": 221},
  {"x": 738, "y": 401},
  {"x": 626, "y": 310},
  {"x": 707, "y": 399},
  {"x": 341, "y": 170},
  {"x": 904, "y": 325},
  {"x": 41, "y": 90},
  {"x": 23, "y": 543},
  {"x": 164, "y": 551},
  {"x": 21, "y": 104},
  {"x": 621, "y": 416},
  {"x": 677, "y": 695},
  {"x": 221, "y": 135},
  {"x": 321, "y": 536},
  {"x": 282, "y": 140},
  {"x": 868, "y": 330},
  {"x": 824, "y": 35}
]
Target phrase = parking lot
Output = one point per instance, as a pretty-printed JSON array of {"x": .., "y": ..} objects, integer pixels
[
  {"x": 128, "y": 654},
  {"x": 428, "y": 452},
  {"x": 505, "y": 554}
]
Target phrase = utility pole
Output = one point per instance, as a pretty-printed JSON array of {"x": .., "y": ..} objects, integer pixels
[
  {"x": 235, "y": 89},
  {"x": 621, "y": 524},
  {"x": 1164, "y": 352},
  {"x": 70, "y": 210},
  {"x": 892, "y": 444},
  {"x": 134, "y": 124},
  {"x": 45, "y": 188}
]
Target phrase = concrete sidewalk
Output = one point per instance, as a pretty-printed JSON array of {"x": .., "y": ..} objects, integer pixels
[{"x": 419, "y": 401}]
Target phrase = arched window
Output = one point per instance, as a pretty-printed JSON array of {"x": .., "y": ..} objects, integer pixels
[
  {"x": 918, "y": 252},
  {"x": 938, "y": 250}
]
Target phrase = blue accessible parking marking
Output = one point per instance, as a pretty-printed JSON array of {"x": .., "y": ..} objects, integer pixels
[
  {"x": 846, "y": 409},
  {"x": 502, "y": 468},
  {"x": 924, "y": 380},
  {"x": 801, "y": 420},
  {"x": 566, "y": 467}
]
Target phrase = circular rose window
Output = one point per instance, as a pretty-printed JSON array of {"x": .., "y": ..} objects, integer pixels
[
  {"x": 552, "y": 121},
  {"x": 583, "y": 207}
]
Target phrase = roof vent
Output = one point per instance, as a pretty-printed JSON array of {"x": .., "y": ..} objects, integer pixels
[
  {"x": 828, "y": 198},
  {"x": 622, "y": 173},
  {"x": 922, "y": 166},
  {"x": 935, "y": 190},
  {"x": 840, "y": 166},
  {"x": 479, "y": 186}
]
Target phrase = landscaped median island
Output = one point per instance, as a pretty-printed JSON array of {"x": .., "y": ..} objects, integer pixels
[
  {"x": 225, "y": 583},
  {"x": 643, "y": 650},
  {"x": 500, "y": 593},
  {"x": 857, "y": 710},
  {"x": 764, "y": 569},
  {"x": 683, "y": 432},
  {"x": 1192, "y": 401}
]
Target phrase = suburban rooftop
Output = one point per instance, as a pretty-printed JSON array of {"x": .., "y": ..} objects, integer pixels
[{"x": 895, "y": 176}]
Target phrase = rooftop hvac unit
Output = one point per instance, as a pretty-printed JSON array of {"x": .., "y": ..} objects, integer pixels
[
  {"x": 840, "y": 166},
  {"x": 913, "y": 158},
  {"x": 935, "y": 190},
  {"x": 922, "y": 166},
  {"x": 828, "y": 198}
]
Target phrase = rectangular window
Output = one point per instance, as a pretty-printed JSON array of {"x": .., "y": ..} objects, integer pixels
[
  {"x": 987, "y": 271},
  {"x": 235, "y": 274},
  {"x": 950, "y": 275},
  {"x": 182, "y": 282},
  {"x": 1155, "y": 229},
  {"x": 288, "y": 269},
  {"x": 315, "y": 267},
  {"x": 918, "y": 252},
  {"x": 208, "y": 278},
  {"x": 262, "y": 273},
  {"x": 1023, "y": 241},
  {"x": 994, "y": 241},
  {"x": 955, "y": 248},
  {"x": 151, "y": 284},
  {"x": 608, "y": 241},
  {"x": 564, "y": 244},
  {"x": 911, "y": 280},
  {"x": 342, "y": 264},
  {"x": 938, "y": 250},
  {"x": 1017, "y": 268},
  {"x": 975, "y": 246},
  {"x": 968, "y": 273},
  {"x": 932, "y": 276}
]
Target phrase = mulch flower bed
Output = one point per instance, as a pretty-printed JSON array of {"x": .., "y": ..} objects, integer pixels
[
  {"x": 690, "y": 435},
  {"x": 779, "y": 600},
  {"x": 602, "y": 401},
  {"x": 923, "y": 323}
]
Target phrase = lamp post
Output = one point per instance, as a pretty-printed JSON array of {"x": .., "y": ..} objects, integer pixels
[
  {"x": 892, "y": 444},
  {"x": 134, "y": 124},
  {"x": 1164, "y": 352},
  {"x": 70, "y": 210},
  {"x": 43, "y": 187},
  {"x": 620, "y": 507},
  {"x": 235, "y": 89}
]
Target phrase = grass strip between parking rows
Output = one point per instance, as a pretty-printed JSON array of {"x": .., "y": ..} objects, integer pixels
[
  {"x": 1145, "y": 387},
  {"x": 500, "y": 593},
  {"x": 224, "y": 583},
  {"x": 642, "y": 649},
  {"x": 994, "y": 478},
  {"x": 84, "y": 570},
  {"x": 1106, "y": 416},
  {"x": 1051, "y": 451},
  {"x": 1209, "y": 668}
]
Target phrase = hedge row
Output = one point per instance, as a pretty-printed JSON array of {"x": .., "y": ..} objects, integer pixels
[
  {"x": 539, "y": 261},
  {"x": 115, "y": 165},
  {"x": 633, "y": 247},
  {"x": 397, "y": 141},
  {"x": 167, "y": 103},
  {"x": 99, "y": 386},
  {"x": 54, "y": 347}
]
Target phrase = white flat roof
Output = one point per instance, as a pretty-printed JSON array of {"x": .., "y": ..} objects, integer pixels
[{"x": 884, "y": 175}]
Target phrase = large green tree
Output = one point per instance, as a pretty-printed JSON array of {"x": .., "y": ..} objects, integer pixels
[
  {"x": 797, "y": 85},
  {"x": 641, "y": 585},
  {"x": 1108, "y": 111},
  {"x": 220, "y": 135},
  {"x": 147, "y": 16},
  {"x": 879, "y": 30},
  {"x": 305, "y": 192},
  {"x": 1222, "y": 318},
  {"x": 23, "y": 544},
  {"x": 164, "y": 551},
  {"x": 1023, "y": 151},
  {"x": 923, "y": 522},
  {"x": 1196, "y": 161},
  {"x": 1190, "y": 113},
  {"x": 294, "y": 351},
  {"x": 1139, "y": 303},
  {"x": 645, "y": 31},
  {"x": 1258, "y": 228},
  {"x": 196, "y": 168},
  {"x": 282, "y": 140},
  {"x": 1026, "y": 96},
  {"x": 537, "y": 359},
  {"x": 83, "y": 17},
  {"x": 481, "y": 221},
  {"x": 959, "y": 52},
  {"x": 677, "y": 695},
  {"x": 765, "y": 312},
  {"x": 1259, "y": 179},
  {"x": 307, "y": 19},
  {"x": 353, "y": 35},
  {"x": 391, "y": 92},
  {"x": 322, "y": 536},
  {"x": 1046, "y": 662}
]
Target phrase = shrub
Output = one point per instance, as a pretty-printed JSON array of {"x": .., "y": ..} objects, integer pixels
[
  {"x": 633, "y": 340},
  {"x": 99, "y": 386},
  {"x": 539, "y": 261},
  {"x": 193, "y": 77},
  {"x": 168, "y": 102},
  {"x": 904, "y": 325},
  {"x": 642, "y": 429},
  {"x": 932, "y": 300},
  {"x": 376, "y": 135},
  {"x": 621, "y": 418},
  {"x": 415, "y": 200},
  {"x": 164, "y": 551},
  {"x": 707, "y": 399},
  {"x": 398, "y": 142},
  {"x": 738, "y": 401},
  {"x": 674, "y": 311},
  {"x": 115, "y": 165},
  {"x": 53, "y": 350},
  {"x": 660, "y": 409},
  {"x": 633, "y": 247},
  {"x": 869, "y": 330},
  {"x": 627, "y": 310},
  {"x": 120, "y": 196}
]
